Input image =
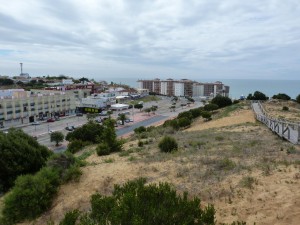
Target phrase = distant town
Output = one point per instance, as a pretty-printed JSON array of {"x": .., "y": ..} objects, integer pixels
[{"x": 25, "y": 99}]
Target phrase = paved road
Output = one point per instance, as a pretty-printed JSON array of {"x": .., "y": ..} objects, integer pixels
[{"x": 128, "y": 129}]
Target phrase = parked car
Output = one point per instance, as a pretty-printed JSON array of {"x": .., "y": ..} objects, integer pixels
[
  {"x": 98, "y": 120},
  {"x": 79, "y": 114},
  {"x": 51, "y": 120},
  {"x": 35, "y": 123},
  {"x": 69, "y": 128},
  {"x": 125, "y": 113},
  {"x": 103, "y": 113},
  {"x": 1, "y": 126},
  {"x": 128, "y": 120}
]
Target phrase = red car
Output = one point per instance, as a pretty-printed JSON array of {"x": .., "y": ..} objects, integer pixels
[{"x": 51, "y": 120}]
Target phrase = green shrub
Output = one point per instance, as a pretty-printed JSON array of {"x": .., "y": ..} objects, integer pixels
[
  {"x": 211, "y": 107},
  {"x": 77, "y": 145},
  {"x": 282, "y": 96},
  {"x": 206, "y": 115},
  {"x": 196, "y": 112},
  {"x": 221, "y": 101},
  {"x": 184, "y": 122},
  {"x": 248, "y": 182},
  {"x": 19, "y": 154},
  {"x": 70, "y": 217},
  {"x": 140, "y": 129},
  {"x": 89, "y": 132},
  {"x": 103, "y": 149},
  {"x": 168, "y": 144},
  {"x": 236, "y": 101},
  {"x": 257, "y": 96},
  {"x": 298, "y": 98},
  {"x": 31, "y": 195},
  {"x": 136, "y": 203},
  {"x": 140, "y": 143},
  {"x": 285, "y": 108},
  {"x": 72, "y": 174},
  {"x": 186, "y": 114}
]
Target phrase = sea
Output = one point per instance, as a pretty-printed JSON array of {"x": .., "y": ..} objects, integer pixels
[{"x": 241, "y": 87}]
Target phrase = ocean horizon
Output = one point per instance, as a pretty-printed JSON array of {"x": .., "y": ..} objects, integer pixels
[{"x": 239, "y": 87}]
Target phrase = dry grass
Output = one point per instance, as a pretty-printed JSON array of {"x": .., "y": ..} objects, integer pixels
[
  {"x": 274, "y": 109},
  {"x": 237, "y": 164}
]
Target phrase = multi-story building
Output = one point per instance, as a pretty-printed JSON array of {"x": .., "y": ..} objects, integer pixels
[
  {"x": 179, "y": 89},
  {"x": 22, "y": 107},
  {"x": 184, "y": 87}
]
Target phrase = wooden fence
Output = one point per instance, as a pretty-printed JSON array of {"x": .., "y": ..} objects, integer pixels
[{"x": 285, "y": 129}]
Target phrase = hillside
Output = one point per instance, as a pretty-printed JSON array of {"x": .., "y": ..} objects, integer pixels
[{"x": 234, "y": 162}]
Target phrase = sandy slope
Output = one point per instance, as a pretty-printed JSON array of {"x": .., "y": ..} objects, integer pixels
[{"x": 275, "y": 199}]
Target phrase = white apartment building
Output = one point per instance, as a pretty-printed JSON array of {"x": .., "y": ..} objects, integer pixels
[
  {"x": 163, "y": 87},
  {"x": 198, "y": 89},
  {"x": 179, "y": 89},
  {"x": 184, "y": 87},
  {"x": 22, "y": 107}
]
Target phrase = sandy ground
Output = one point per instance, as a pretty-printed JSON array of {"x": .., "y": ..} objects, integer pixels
[
  {"x": 274, "y": 199},
  {"x": 238, "y": 117},
  {"x": 274, "y": 109}
]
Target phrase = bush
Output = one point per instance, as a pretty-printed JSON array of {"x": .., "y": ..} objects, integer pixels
[
  {"x": 67, "y": 166},
  {"x": 196, "y": 112},
  {"x": 19, "y": 154},
  {"x": 206, "y": 115},
  {"x": 298, "y": 99},
  {"x": 236, "y": 101},
  {"x": 70, "y": 217},
  {"x": 171, "y": 123},
  {"x": 109, "y": 142},
  {"x": 135, "y": 203},
  {"x": 89, "y": 132},
  {"x": 211, "y": 107},
  {"x": 257, "y": 96},
  {"x": 72, "y": 174},
  {"x": 77, "y": 145},
  {"x": 282, "y": 96},
  {"x": 140, "y": 143},
  {"x": 184, "y": 122},
  {"x": 31, "y": 196},
  {"x": 103, "y": 149},
  {"x": 285, "y": 108},
  {"x": 221, "y": 101},
  {"x": 140, "y": 129},
  {"x": 186, "y": 114},
  {"x": 168, "y": 144}
]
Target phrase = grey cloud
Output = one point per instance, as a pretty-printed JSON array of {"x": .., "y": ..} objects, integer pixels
[{"x": 185, "y": 35}]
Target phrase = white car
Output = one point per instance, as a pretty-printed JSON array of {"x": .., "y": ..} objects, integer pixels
[
  {"x": 50, "y": 131},
  {"x": 35, "y": 123}
]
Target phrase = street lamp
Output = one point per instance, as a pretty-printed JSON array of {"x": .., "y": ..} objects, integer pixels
[{"x": 132, "y": 114}]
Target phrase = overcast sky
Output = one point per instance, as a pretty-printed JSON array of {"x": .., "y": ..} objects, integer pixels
[{"x": 200, "y": 39}]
